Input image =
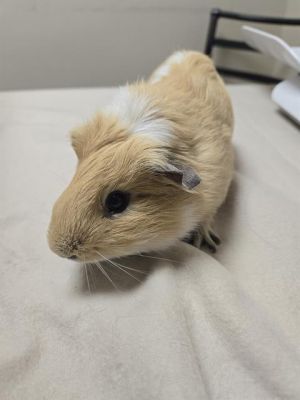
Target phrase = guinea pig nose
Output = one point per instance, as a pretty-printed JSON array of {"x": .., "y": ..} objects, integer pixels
[{"x": 72, "y": 257}]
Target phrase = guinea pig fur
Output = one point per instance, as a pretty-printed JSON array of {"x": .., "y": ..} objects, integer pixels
[{"x": 152, "y": 167}]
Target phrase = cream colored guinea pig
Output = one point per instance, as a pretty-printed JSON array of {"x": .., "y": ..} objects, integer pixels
[{"x": 152, "y": 167}]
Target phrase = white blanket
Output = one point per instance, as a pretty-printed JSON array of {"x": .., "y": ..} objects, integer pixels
[{"x": 196, "y": 326}]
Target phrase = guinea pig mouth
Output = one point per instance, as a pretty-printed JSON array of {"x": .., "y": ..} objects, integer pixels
[
  {"x": 91, "y": 259},
  {"x": 84, "y": 260},
  {"x": 75, "y": 258}
]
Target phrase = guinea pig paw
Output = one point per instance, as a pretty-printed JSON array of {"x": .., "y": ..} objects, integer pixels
[
  {"x": 195, "y": 238},
  {"x": 215, "y": 238},
  {"x": 210, "y": 240},
  {"x": 203, "y": 238}
]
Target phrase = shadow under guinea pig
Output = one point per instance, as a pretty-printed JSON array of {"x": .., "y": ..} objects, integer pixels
[
  {"x": 128, "y": 273},
  {"x": 118, "y": 275}
]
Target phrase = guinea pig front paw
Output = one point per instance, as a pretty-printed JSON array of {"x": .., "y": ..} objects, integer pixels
[
  {"x": 205, "y": 238},
  {"x": 194, "y": 238},
  {"x": 210, "y": 242}
]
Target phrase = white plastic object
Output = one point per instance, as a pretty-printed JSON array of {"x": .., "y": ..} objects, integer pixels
[
  {"x": 287, "y": 93},
  {"x": 273, "y": 46},
  {"x": 287, "y": 96}
]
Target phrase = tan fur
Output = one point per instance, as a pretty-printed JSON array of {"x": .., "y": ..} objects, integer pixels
[{"x": 193, "y": 99}]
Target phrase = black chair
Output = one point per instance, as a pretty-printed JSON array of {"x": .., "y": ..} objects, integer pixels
[{"x": 213, "y": 41}]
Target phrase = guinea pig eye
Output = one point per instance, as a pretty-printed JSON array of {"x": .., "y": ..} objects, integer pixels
[{"x": 116, "y": 202}]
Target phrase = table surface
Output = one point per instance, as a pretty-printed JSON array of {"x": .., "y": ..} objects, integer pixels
[{"x": 192, "y": 326}]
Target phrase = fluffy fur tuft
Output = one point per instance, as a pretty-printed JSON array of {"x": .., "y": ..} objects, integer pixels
[
  {"x": 140, "y": 114},
  {"x": 164, "y": 69}
]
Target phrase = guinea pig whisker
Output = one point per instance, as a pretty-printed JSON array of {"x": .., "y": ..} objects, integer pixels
[
  {"x": 87, "y": 277},
  {"x": 157, "y": 258},
  {"x": 124, "y": 270},
  {"x": 118, "y": 266},
  {"x": 101, "y": 268},
  {"x": 91, "y": 269},
  {"x": 133, "y": 269}
]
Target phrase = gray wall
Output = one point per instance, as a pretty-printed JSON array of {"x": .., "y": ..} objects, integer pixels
[{"x": 63, "y": 43}]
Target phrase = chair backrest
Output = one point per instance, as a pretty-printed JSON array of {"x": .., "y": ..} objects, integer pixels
[{"x": 215, "y": 41}]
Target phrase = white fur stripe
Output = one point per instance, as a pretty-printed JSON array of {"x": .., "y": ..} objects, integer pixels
[
  {"x": 139, "y": 114},
  {"x": 164, "y": 69}
]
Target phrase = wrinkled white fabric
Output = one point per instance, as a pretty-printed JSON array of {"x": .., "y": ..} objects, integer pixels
[{"x": 199, "y": 327}]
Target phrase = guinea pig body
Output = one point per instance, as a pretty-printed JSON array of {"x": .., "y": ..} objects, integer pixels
[{"x": 153, "y": 166}]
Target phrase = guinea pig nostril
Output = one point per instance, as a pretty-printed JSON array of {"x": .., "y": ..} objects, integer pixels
[
  {"x": 72, "y": 257},
  {"x": 74, "y": 244}
]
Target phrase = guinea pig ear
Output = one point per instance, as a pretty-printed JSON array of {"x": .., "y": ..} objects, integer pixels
[
  {"x": 182, "y": 175},
  {"x": 78, "y": 142},
  {"x": 84, "y": 140}
]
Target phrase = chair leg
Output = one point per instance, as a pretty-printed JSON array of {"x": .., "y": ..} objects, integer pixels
[{"x": 214, "y": 17}]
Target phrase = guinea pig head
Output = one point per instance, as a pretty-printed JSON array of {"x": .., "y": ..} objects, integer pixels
[{"x": 128, "y": 195}]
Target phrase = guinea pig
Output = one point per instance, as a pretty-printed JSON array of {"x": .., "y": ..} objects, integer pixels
[{"x": 152, "y": 167}]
